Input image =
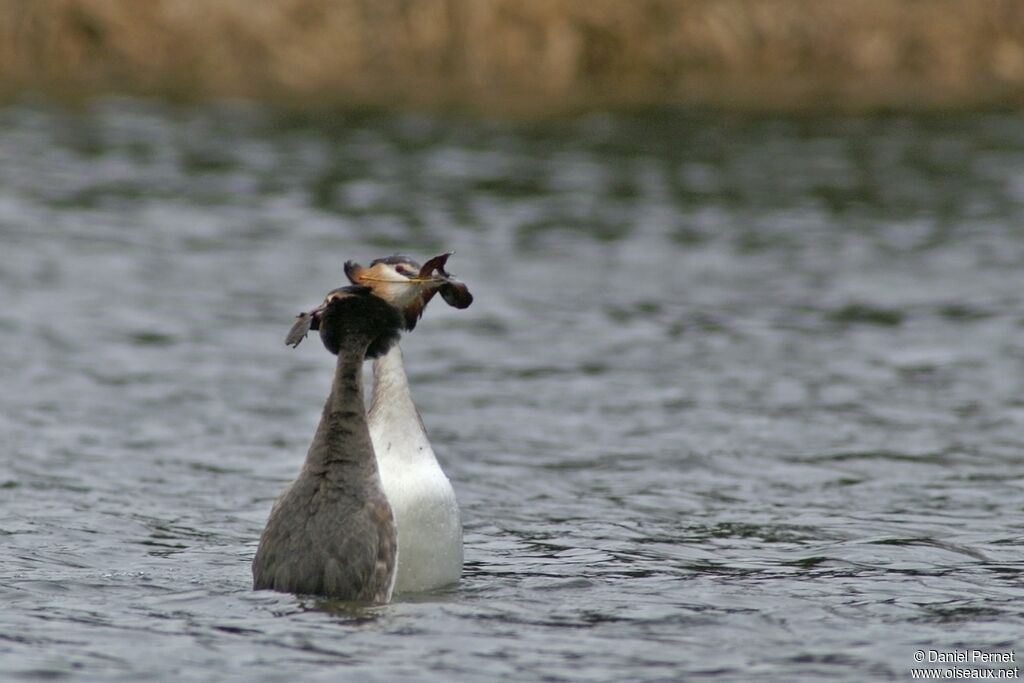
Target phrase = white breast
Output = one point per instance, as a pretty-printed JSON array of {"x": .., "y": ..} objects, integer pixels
[{"x": 421, "y": 497}]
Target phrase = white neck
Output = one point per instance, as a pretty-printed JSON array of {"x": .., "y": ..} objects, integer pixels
[
  {"x": 395, "y": 424},
  {"x": 421, "y": 497}
]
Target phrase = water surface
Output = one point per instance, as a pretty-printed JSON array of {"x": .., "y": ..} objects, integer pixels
[{"x": 738, "y": 398}]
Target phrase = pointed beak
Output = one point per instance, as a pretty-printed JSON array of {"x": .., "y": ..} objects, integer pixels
[{"x": 410, "y": 295}]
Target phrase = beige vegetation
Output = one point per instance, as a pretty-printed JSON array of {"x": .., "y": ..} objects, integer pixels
[{"x": 524, "y": 56}]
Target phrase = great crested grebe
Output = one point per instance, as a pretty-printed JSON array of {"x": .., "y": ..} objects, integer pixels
[
  {"x": 421, "y": 497},
  {"x": 332, "y": 532}
]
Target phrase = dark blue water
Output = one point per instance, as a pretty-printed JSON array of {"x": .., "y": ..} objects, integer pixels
[{"x": 738, "y": 399}]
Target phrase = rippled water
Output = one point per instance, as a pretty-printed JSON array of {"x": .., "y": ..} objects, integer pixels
[{"x": 738, "y": 399}]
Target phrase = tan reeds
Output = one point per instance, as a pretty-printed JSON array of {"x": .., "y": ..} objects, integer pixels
[{"x": 524, "y": 56}]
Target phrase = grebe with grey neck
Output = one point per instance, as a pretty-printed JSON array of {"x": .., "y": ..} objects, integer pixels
[{"x": 332, "y": 532}]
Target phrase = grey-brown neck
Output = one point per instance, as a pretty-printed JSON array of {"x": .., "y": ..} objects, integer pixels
[
  {"x": 332, "y": 532},
  {"x": 342, "y": 441}
]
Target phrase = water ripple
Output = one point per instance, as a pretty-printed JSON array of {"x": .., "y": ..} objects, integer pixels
[{"x": 739, "y": 398}]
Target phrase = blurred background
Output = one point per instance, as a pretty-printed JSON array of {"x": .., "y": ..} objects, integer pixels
[
  {"x": 524, "y": 57},
  {"x": 739, "y": 397}
]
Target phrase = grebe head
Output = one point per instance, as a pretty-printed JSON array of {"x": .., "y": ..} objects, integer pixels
[
  {"x": 354, "y": 315},
  {"x": 408, "y": 286}
]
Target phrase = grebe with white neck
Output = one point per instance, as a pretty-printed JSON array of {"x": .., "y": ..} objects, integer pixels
[{"x": 421, "y": 496}]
